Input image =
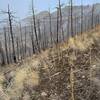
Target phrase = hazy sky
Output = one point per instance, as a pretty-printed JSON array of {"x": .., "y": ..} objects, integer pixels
[{"x": 22, "y": 7}]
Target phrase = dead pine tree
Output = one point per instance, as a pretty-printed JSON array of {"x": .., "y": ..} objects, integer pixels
[
  {"x": 25, "y": 42},
  {"x": 44, "y": 35},
  {"x": 81, "y": 17},
  {"x": 10, "y": 17},
  {"x": 6, "y": 46},
  {"x": 57, "y": 38},
  {"x": 21, "y": 39},
  {"x": 17, "y": 45},
  {"x": 3, "y": 62},
  {"x": 60, "y": 14},
  {"x": 92, "y": 23},
  {"x": 71, "y": 17},
  {"x": 35, "y": 29},
  {"x": 32, "y": 38},
  {"x": 39, "y": 33},
  {"x": 50, "y": 27},
  {"x": 9, "y": 46},
  {"x": 68, "y": 24}
]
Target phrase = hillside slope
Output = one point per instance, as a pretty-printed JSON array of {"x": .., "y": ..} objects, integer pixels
[{"x": 68, "y": 71}]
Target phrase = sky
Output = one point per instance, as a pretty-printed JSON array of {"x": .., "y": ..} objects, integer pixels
[{"x": 22, "y": 7}]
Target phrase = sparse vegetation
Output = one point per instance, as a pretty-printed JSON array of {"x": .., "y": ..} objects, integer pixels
[{"x": 42, "y": 62}]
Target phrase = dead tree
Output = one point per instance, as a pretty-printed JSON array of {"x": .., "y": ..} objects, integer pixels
[
  {"x": 25, "y": 41},
  {"x": 81, "y": 16},
  {"x": 92, "y": 24},
  {"x": 68, "y": 23},
  {"x": 21, "y": 39},
  {"x": 3, "y": 62},
  {"x": 17, "y": 43},
  {"x": 11, "y": 32},
  {"x": 32, "y": 39},
  {"x": 39, "y": 33},
  {"x": 57, "y": 40},
  {"x": 71, "y": 17},
  {"x": 60, "y": 12},
  {"x": 9, "y": 46},
  {"x": 50, "y": 24},
  {"x": 44, "y": 35},
  {"x": 35, "y": 29},
  {"x": 6, "y": 46}
]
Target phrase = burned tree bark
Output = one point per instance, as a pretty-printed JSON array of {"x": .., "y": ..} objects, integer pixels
[
  {"x": 11, "y": 32},
  {"x": 57, "y": 26},
  {"x": 45, "y": 38},
  {"x": 32, "y": 39},
  {"x": 25, "y": 42},
  {"x": 3, "y": 62},
  {"x": 6, "y": 47},
  {"x": 21, "y": 39},
  {"x": 71, "y": 19},
  {"x": 61, "y": 28},
  {"x": 50, "y": 28},
  {"x": 9, "y": 45},
  {"x": 92, "y": 24},
  {"x": 81, "y": 17},
  {"x": 17, "y": 43},
  {"x": 39, "y": 33},
  {"x": 35, "y": 30},
  {"x": 68, "y": 24}
]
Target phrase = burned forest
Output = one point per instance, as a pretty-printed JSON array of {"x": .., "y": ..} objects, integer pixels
[{"x": 52, "y": 54}]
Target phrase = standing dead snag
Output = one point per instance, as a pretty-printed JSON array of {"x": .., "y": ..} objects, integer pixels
[
  {"x": 39, "y": 33},
  {"x": 6, "y": 47},
  {"x": 3, "y": 62},
  {"x": 57, "y": 26},
  {"x": 81, "y": 16},
  {"x": 17, "y": 43},
  {"x": 68, "y": 23},
  {"x": 32, "y": 39},
  {"x": 11, "y": 32},
  {"x": 9, "y": 46},
  {"x": 92, "y": 23},
  {"x": 35, "y": 30},
  {"x": 44, "y": 36},
  {"x": 21, "y": 39},
  {"x": 71, "y": 19},
  {"x": 50, "y": 27},
  {"x": 25, "y": 42},
  {"x": 61, "y": 27}
]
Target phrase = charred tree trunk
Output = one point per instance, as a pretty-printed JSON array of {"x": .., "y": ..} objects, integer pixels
[
  {"x": 39, "y": 33},
  {"x": 71, "y": 14},
  {"x": 81, "y": 17},
  {"x": 17, "y": 43},
  {"x": 61, "y": 27},
  {"x": 57, "y": 26},
  {"x": 11, "y": 32},
  {"x": 35, "y": 30},
  {"x": 45, "y": 38},
  {"x": 68, "y": 24},
  {"x": 9, "y": 45},
  {"x": 32, "y": 39},
  {"x": 21, "y": 46},
  {"x": 25, "y": 41},
  {"x": 6, "y": 47},
  {"x": 3, "y": 62},
  {"x": 50, "y": 23},
  {"x": 92, "y": 24}
]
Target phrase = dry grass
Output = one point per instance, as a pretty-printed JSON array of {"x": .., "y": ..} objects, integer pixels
[
  {"x": 26, "y": 74},
  {"x": 24, "y": 78}
]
